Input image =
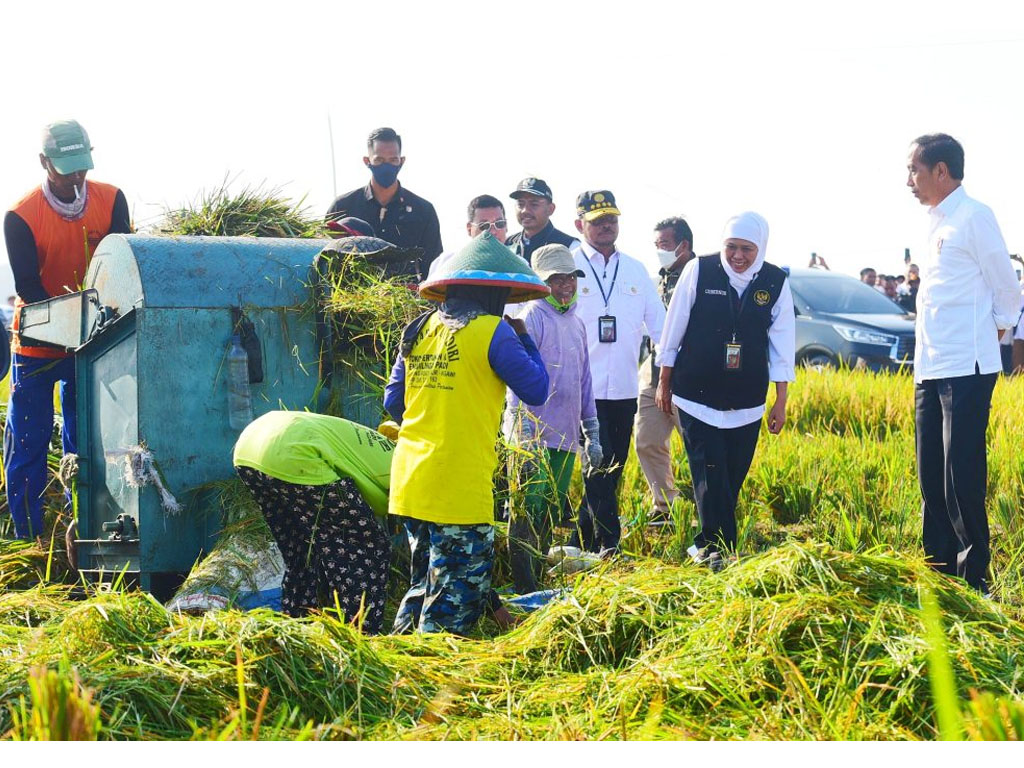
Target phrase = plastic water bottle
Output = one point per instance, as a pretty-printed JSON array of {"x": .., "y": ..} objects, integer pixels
[{"x": 239, "y": 398}]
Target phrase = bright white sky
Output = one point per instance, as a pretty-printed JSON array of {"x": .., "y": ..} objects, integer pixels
[{"x": 802, "y": 111}]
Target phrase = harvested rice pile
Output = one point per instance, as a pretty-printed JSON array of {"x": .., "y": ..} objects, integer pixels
[
  {"x": 253, "y": 211},
  {"x": 800, "y": 642},
  {"x": 365, "y": 312}
]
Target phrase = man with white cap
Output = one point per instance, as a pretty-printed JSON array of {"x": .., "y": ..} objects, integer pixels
[
  {"x": 50, "y": 233},
  {"x": 617, "y": 304},
  {"x": 730, "y": 330}
]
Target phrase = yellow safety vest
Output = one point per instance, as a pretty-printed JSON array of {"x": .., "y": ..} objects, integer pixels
[{"x": 445, "y": 457}]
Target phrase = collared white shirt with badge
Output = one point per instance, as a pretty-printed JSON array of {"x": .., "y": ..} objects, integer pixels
[
  {"x": 634, "y": 303},
  {"x": 781, "y": 348},
  {"x": 968, "y": 291}
]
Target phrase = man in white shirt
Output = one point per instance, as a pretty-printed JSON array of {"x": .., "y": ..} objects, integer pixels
[
  {"x": 967, "y": 297},
  {"x": 617, "y": 304}
]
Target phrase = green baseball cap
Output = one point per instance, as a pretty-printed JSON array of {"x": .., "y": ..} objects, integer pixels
[{"x": 67, "y": 145}]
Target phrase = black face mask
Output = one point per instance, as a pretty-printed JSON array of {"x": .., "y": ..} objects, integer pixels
[{"x": 385, "y": 174}]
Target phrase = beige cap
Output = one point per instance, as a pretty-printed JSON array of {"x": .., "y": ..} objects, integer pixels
[{"x": 554, "y": 259}]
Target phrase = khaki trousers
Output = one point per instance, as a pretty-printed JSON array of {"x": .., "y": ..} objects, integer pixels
[{"x": 653, "y": 431}]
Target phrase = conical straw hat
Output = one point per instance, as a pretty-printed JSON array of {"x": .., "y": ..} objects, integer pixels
[{"x": 485, "y": 261}]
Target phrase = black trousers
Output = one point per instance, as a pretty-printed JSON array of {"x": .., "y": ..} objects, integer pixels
[
  {"x": 719, "y": 461},
  {"x": 598, "y": 525},
  {"x": 332, "y": 545},
  {"x": 952, "y": 417}
]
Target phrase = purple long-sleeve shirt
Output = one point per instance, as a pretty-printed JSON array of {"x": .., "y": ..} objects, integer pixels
[
  {"x": 514, "y": 358},
  {"x": 562, "y": 341}
]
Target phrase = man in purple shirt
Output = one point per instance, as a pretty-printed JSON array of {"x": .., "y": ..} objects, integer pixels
[{"x": 549, "y": 433}]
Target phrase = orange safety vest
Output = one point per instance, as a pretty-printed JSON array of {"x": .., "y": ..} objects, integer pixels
[{"x": 63, "y": 248}]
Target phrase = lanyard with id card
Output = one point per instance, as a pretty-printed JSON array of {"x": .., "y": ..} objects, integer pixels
[
  {"x": 606, "y": 326},
  {"x": 733, "y": 358}
]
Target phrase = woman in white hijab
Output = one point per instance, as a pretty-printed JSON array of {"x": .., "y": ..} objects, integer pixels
[{"x": 730, "y": 330}]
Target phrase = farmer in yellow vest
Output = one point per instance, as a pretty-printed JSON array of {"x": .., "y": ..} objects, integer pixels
[
  {"x": 322, "y": 483},
  {"x": 447, "y": 389}
]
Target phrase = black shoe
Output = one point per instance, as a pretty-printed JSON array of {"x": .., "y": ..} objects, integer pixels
[{"x": 706, "y": 556}]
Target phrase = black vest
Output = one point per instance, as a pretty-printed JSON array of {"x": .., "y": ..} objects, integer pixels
[{"x": 699, "y": 374}]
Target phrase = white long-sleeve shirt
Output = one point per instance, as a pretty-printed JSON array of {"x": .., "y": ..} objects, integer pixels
[
  {"x": 781, "y": 348},
  {"x": 634, "y": 303},
  {"x": 968, "y": 291}
]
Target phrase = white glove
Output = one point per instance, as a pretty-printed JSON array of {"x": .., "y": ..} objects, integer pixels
[{"x": 593, "y": 455}]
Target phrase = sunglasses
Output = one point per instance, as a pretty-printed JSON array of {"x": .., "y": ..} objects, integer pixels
[{"x": 499, "y": 224}]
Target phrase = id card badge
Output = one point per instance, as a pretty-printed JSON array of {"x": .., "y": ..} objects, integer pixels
[
  {"x": 733, "y": 357},
  {"x": 606, "y": 329}
]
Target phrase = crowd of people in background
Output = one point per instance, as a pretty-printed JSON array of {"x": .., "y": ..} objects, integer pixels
[{"x": 568, "y": 347}]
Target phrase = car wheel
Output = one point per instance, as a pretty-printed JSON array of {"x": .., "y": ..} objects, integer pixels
[{"x": 819, "y": 361}]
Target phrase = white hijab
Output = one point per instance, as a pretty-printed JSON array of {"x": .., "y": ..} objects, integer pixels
[{"x": 745, "y": 226}]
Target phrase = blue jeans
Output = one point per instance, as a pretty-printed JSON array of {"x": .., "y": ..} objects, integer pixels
[{"x": 27, "y": 434}]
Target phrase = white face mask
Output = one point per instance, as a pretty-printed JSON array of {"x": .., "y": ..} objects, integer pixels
[{"x": 666, "y": 258}]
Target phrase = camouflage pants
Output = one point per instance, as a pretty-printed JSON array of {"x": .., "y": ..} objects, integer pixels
[
  {"x": 332, "y": 545},
  {"x": 450, "y": 577}
]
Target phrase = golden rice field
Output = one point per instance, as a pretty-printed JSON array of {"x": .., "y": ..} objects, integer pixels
[
  {"x": 829, "y": 626},
  {"x": 819, "y": 631}
]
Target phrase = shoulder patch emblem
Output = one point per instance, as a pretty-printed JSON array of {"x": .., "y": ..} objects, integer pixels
[{"x": 761, "y": 298}]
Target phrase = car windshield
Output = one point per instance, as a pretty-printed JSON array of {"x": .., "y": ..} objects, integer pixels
[{"x": 843, "y": 297}]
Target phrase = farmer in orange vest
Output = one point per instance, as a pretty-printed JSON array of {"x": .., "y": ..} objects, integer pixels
[{"x": 50, "y": 235}]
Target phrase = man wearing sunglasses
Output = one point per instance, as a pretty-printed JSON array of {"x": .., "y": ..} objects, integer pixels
[{"x": 485, "y": 212}]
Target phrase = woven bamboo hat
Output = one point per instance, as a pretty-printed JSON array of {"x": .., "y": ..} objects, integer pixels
[{"x": 486, "y": 261}]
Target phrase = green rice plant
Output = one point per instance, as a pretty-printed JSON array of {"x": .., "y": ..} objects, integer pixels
[
  {"x": 988, "y": 717},
  {"x": 943, "y": 684},
  {"x": 59, "y": 708}
]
